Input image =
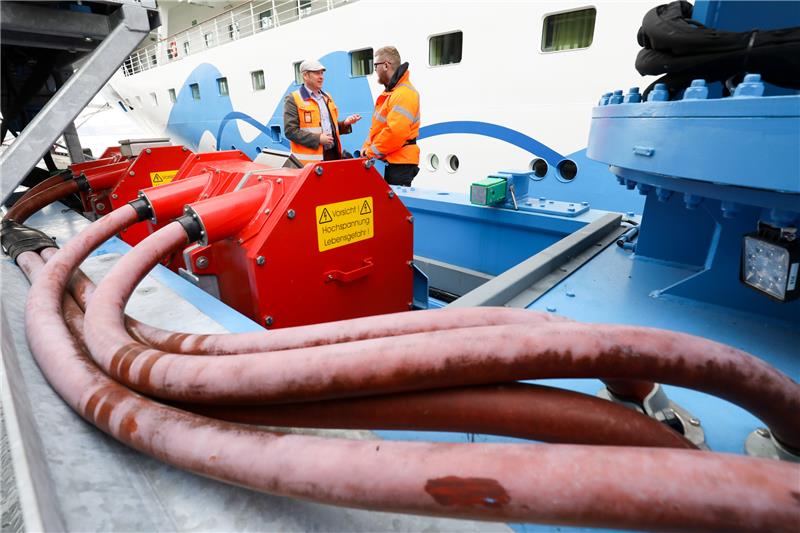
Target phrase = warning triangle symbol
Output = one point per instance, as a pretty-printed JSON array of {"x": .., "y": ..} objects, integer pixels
[
  {"x": 365, "y": 209},
  {"x": 325, "y": 217},
  {"x": 157, "y": 178}
]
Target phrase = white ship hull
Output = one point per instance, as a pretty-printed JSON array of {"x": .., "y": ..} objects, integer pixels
[{"x": 505, "y": 104}]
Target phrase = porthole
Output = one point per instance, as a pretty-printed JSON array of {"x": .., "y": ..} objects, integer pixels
[
  {"x": 567, "y": 170},
  {"x": 452, "y": 163},
  {"x": 539, "y": 167},
  {"x": 433, "y": 162}
]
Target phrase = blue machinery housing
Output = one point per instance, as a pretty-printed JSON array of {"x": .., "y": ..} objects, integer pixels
[{"x": 711, "y": 171}]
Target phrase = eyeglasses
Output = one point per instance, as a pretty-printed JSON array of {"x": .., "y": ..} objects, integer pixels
[{"x": 381, "y": 63}]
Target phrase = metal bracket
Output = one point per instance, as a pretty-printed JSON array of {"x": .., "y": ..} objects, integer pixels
[
  {"x": 762, "y": 443},
  {"x": 207, "y": 282},
  {"x": 657, "y": 405}
]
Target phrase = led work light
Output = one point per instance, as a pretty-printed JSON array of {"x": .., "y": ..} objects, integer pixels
[{"x": 770, "y": 262}]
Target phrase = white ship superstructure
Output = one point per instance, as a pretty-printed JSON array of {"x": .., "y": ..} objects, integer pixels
[{"x": 499, "y": 81}]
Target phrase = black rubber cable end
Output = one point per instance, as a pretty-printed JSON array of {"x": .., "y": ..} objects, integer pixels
[
  {"x": 142, "y": 207},
  {"x": 17, "y": 238},
  {"x": 191, "y": 224}
]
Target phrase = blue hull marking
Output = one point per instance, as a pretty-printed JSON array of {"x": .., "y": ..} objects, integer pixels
[
  {"x": 189, "y": 119},
  {"x": 494, "y": 131}
]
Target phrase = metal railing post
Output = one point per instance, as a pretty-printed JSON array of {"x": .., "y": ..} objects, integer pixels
[{"x": 252, "y": 19}]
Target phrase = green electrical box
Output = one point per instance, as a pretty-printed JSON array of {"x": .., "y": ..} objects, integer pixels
[{"x": 489, "y": 191}]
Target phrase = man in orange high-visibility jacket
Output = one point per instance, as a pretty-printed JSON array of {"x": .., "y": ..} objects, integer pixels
[
  {"x": 395, "y": 122},
  {"x": 311, "y": 118}
]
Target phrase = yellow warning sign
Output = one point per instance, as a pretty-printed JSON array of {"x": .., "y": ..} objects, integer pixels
[
  {"x": 162, "y": 176},
  {"x": 344, "y": 223}
]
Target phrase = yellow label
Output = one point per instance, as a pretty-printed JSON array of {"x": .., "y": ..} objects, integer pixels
[
  {"x": 162, "y": 176},
  {"x": 344, "y": 223}
]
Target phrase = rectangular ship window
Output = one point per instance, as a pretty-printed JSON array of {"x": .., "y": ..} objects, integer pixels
[
  {"x": 222, "y": 85},
  {"x": 172, "y": 96},
  {"x": 265, "y": 19},
  {"x": 445, "y": 49},
  {"x": 186, "y": 47},
  {"x": 257, "y": 78},
  {"x": 568, "y": 31},
  {"x": 361, "y": 62},
  {"x": 305, "y": 8},
  {"x": 195, "y": 88},
  {"x": 298, "y": 77},
  {"x": 209, "y": 39},
  {"x": 155, "y": 98}
]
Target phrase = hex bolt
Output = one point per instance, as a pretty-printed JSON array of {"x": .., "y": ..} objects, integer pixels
[
  {"x": 114, "y": 196},
  {"x": 391, "y": 194},
  {"x": 279, "y": 180},
  {"x": 290, "y": 213},
  {"x": 100, "y": 206},
  {"x": 131, "y": 173},
  {"x": 585, "y": 204},
  {"x": 570, "y": 294},
  {"x": 201, "y": 262},
  {"x": 763, "y": 432},
  {"x": 148, "y": 151},
  {"x": 369, "y": 163},
  {"x": 184, "y": 149},
  {"x": 410, "y": 219},
  {"x": 694, "y": 421},
  {"x": 260, "y": 260},
  {"x": 268, "y": 321},
  {"x": 266, "y": 211},
  {"x": 551, "y": 309},
  {"x": 318, "y": 171}
]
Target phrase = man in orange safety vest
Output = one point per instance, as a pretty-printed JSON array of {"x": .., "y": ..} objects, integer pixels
[
  {"x": 395, "y": 122},
  {"x": 311, "y": 118}
]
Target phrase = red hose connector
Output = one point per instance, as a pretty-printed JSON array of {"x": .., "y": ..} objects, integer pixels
[
  {"x": 167, "y": 201},
  {"x": 224, "y": 216}
]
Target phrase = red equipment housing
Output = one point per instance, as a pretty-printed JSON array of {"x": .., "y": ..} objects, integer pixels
[{"x": 289, "y": 247}]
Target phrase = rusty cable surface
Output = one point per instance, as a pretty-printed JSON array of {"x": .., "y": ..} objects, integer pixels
[
  {"x": 52, "y": 181},
  {"x": 518, "y": 410},
  {"x": 24, "y": 208},
  {"x": 559, "y": 484},
  {"x": 526, "y": 411},
  {"x": 630, "y": 390},
  {"x": 430, "y": 360},
  {"x": 340, "y": 331}
]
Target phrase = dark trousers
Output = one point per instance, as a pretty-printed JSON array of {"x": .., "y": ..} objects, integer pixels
[{"x": 400, "y": 174}]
